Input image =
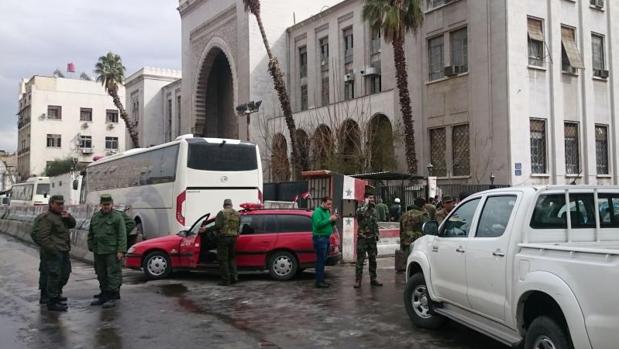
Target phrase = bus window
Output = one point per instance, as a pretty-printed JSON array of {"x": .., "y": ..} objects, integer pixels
[{"x": 221, "y": 156}]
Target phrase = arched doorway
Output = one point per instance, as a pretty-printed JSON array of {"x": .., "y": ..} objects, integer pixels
[
  {"x": 280, "y": 166},
  {"x": 349, "y": 148},
  {"x": 215, "y": 116},
  {"x": 380, "y": 139},
  {"x": 322, "y": 148},
  {"x": 304, "y": 147}
]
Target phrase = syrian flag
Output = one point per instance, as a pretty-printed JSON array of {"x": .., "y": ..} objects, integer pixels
[{"x": 354, "y": 188}]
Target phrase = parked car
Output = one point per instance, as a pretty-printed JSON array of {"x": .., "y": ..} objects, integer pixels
[
  {"x": 530, "y": 266},
  {"x": 277, "y": 240}
]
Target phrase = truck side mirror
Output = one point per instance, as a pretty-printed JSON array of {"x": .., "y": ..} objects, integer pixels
[
  {"x": 75, "y": 184},
  {"x": 430, "y": 228}
]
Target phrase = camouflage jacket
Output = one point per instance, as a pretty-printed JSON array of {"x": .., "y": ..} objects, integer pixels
[
  {"x": 410, "y": 225},
  {"x": 227, "y": 222},
  {"x": 51, "y": 232},
  {"x": 441, "y": 214},
  {"x": 107, "y": 233},
  {"x": 366, "y": 219}
]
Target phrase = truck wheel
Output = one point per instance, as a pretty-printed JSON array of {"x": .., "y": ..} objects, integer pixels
[
  {"x": 283, "y": 265},
  {"x": 419, "y": 306},
  {"x": 156, "y": 265},
  {"x": 544, "y": 333}
]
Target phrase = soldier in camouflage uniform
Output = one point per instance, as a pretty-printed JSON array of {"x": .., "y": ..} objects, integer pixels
[
  {"x": 410, "y": 225},
  {"x": 366, "y": 240},
  {"x": 227, "y": 224},
  {"x": 50, "y": 231},
  {"x": 448, "y": 205},
  {"x": 107, "y": 239}
]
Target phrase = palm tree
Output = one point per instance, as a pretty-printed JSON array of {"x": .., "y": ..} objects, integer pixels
[
  {"x": 110, "y": 73},
  {"x": 280, "y": 87},
  {"x": 395, "y": 18}
]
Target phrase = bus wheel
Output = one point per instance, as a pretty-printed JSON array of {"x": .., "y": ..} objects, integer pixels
[{"x": 156, "y": 265}]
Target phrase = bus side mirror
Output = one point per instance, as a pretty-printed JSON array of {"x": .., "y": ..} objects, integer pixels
[
  {"x": 75, "y": 184},
  {"x": 430, "y": 228}
]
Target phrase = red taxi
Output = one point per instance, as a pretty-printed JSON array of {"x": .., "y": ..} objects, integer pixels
[{"x": 277, "y": 240}]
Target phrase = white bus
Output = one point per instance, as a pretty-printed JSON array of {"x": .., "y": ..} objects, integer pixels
[
  {"x": 171, "y": 185},
  {"x": 34, "y": 191}
]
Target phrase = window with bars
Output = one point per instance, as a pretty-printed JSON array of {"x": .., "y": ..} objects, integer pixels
[
  {"x": 538, "y": 146},
  {"x": 438, "y": 151},
  {"x": 111, "y": 115},
  {"x": 324, "y": 53},
  {"x": 601, "y": 149},
  {"x": 599, "y": 63},
  {"x": 324, "y": 92},
  {"x": 54, "y": 112},
  {"x": 570, "y": 55},
  {"x": 135, "y": 105},
  {"x": 536, "y": 42},
  {"x": 461, "y": 150},
  {"x": 374, "y": 84},
  {"x": 572, "y": 151},
  {"x": 111, "y": 143},
  {"x": 459, "y": 50},
  {"x": 348, "y": 45},
  {"x": 85, "y": 114},
  {"x": 435, "y": 58},
  {"x": 375, "y": 38},
  {"x": 302, "y": 62},
  {"x": 54, "y": 141},
  {"x": 86, "y": 142},
  {"x": 349, "y": 90},
  {"x": 303, "y": 97}
]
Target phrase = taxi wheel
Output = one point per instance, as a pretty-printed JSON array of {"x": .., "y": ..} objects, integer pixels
[
  {"x": 156, "y": 265},
  {"x": 283, "y": 265}
]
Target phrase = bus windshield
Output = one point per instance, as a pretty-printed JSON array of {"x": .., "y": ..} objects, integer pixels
[
  {"x": 42, "y": 189},
  {"x": 222, "y": 156}
]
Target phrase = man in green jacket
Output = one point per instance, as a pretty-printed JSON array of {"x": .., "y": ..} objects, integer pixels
[
  {"x": 107, "y": 239},
  {"x": 322, "y": 228},
  {"x": 50, "y": 232},
  {"x": 382, "y": 211}
]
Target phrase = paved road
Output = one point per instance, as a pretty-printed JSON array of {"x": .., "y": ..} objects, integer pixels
[{"x": 191, "y": 311}]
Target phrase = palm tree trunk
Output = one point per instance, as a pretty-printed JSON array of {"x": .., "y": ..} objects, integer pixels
[
  {"x": 405, "y": 103},
  {"x": 130, "y": 125},
  {"x": 284, "y": 100}
]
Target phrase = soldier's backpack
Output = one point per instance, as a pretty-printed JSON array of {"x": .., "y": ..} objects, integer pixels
[{"x": 232, "y": 222}]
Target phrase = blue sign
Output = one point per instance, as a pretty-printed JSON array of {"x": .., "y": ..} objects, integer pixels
[
  {"x": 518, "y": 172},
  {"x": 518, "y": 166}
]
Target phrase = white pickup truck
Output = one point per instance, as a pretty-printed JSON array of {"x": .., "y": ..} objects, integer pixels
[{"x": 530, "y": 266}]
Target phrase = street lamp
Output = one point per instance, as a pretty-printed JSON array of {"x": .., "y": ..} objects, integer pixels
[
  {"x": 248, "y": 109},
  {"x": 491, "y": 180}
]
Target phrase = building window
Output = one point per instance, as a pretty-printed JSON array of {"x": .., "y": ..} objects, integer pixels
[
  {"x": 461, "y": 151},
  {"x": 303, "y": 97},
  {"x": 53, "y": 141},
  {"x": 431, "y": 4},
  {"x": 538, "y": 146},
  {"x": 85, "y": 114},
  {"x": 111, "y": 143},
  {"x": 374, "y": 83},
  {"x": 459, "y": 50},
  {"x": 348, "y": 46},
  {"x": 86, "y": 142},
  {"x": 570, "y": 55},
  {"x": 536, "y": 42},
  {"x": 373, "y": 78},
  {"x": 135, "y": 105},
  {"x": 324, "y": 92},
  {"x": 54, "y": 112},
  {"x": 435, "y": 58},
  {"x": 349, "y": 90},
  {"x": 572, "y": 155},
  {"x": 375, "y": 39},
  {"x": 169, "y": 120},
  {"x": 438, "y": 151},
  {"x": 178, "y": 115},
  {"x": 599, "y": 4},
  {"x": 324, "y": 53},
  {"x": 111, "y": 115},
  {"x": 302, "y": 62},
  {"x": 601, "y": 149},
  {"x": 599, "y": 62}
]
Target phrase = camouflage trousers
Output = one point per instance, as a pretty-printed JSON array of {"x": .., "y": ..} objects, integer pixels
[
  {"x": 54, "y": 271},
  {"x": 226, "y": 255},
  {"x": 366, "y": 246},
  {"x": 109, "y": 272}
]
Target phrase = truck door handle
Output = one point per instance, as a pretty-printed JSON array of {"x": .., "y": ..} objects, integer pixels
[
  {"x": 434, "y": 248},
  {"x": 460, "y": 250},
  {"x": 498, "y": 253}
]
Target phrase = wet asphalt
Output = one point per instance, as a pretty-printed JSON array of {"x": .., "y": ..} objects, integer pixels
[{"x": 189, "y": 310}]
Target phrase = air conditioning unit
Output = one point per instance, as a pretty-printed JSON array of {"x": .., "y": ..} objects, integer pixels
[
  {"x": 86, "y": 150},
  {"x": 370, "y": 71},
  {"x": 601, "y": 73},
  {"x": 349, "y": 77},
  {"x": 85, "y": 125},
  {"x": 450, "y": 70},
  {"x": 110, "y": 126}
]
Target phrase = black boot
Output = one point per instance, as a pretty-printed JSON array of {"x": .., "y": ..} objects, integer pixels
[
  {"x": 55, "y": 305},
  {"x": 115, "y": 295},
  {"x": 43, "y": 299},
  {"x": 101, "y": 300},
  {"x": 98, "y": 295}
]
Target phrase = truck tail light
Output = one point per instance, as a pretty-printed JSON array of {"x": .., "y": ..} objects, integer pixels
[{"x": 180, "y": 203}]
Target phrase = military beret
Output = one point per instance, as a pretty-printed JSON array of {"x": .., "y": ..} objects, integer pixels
[
  {"x": 106, "y": 198},
  {"x": 369, "y": 190},
  {"x": 227, "y": 202},
  {"x": 57, "y": 198}
]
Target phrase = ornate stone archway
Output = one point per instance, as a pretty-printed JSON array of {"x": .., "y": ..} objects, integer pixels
[{"x": 380, "y": 140}]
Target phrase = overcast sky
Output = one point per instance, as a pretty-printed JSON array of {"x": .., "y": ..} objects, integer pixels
[{"x": 40, "y": 36}]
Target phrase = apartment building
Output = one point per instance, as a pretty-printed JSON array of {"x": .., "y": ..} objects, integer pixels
[{"x": 65, "y": 117}]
